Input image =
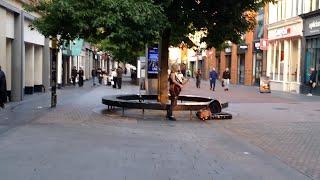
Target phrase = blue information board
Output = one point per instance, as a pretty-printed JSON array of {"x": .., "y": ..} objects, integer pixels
[{"x": 153, "y": 61}]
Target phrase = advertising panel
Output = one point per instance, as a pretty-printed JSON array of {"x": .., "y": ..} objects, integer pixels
[{"x": 153, "y": 61}]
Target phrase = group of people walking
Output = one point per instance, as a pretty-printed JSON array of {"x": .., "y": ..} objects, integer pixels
[
  {"x": 77, "y": 73},
  {"x": 114, "y": 78},
  {"x": 213, "y": 76}
]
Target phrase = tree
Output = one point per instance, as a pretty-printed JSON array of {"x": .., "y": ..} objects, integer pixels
[
  {"x": 221, "y": 20},
  {"x": 126, "y": 25}
]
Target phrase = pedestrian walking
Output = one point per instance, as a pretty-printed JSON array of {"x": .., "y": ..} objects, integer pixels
[
  {"x": 213, "y": 77},
  {"x": 74, "y": 74},
  {"x": 226, "y": 79},
  {"x": 114, "y": 78},
  {"x": 3, "y": 88},
  {"x": 94, "y": 76},
  {"x": 174, "y": 89},
  {"x": 312, "y": 81},
  {"x": 119, "y": 77},
  {"x": 198, "y": 78},
  {"x": 81, "y": 74},
  {"x": 99, "y": 75}
]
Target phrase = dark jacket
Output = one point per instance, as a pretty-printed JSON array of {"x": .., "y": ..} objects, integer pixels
[
  {"x": 94, "y": 73},
  {"x": 119, "y": 72},
  {"x": 226, "y": 75},
  {"x": 213, "y": 75},
  {"x": 74, "y": 72},
  {"x": 3, "y": 87},
  {"x": 81, "y": 73},
  {"x": 313, "y": 76}
]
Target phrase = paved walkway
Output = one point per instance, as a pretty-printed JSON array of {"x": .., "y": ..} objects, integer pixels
[{"x": 270, "y": 137}]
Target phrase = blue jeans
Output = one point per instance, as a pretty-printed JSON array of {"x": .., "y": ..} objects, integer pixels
[
  {"x": 213, "y": 84},
  {"x": 94, "y": 80}
]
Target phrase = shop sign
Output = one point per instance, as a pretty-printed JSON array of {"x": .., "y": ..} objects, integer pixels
[
  {"x": 283, "y": 32},
  {"x": 243, "y": 47},
  {"x": 312, "y": 26},
  {"x": 264, "y": 44}
]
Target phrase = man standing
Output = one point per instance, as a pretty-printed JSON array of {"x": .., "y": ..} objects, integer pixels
[
  {"x": 3, "y": 88},
  {"x": 114, "y": 78},
  {"x": 312, "y": 80},
  {"x": 81, "y": 74},
  {"x": 74, "y": 74},
  {"x": 226, "y": 79},
  {"x": 213, "y": 77},
  {"x": 94, "y": 76},
  {"x": 198, "y": 78},
  {"x": 119, "y": 77}
]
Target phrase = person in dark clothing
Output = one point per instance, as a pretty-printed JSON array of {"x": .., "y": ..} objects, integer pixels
[
  {"x": 198, "y": 78},
  {"x": 226, "y": 79},
  {"x": 81, "y": 74},
  {"x": 99, "y": 75},
  {"x": 3, "y": 88},
  {"x": 94, "y": 76},
  {"x": 119, "y": 77},
  {"x": 312, "y": 80},
  {"x": 213, "y": 77},
  {"x": 125, "y": 70},
  {"x": 74, "y": 74}
]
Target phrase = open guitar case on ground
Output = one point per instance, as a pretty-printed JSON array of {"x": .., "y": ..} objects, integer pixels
[{"x": 213, "y": 112}]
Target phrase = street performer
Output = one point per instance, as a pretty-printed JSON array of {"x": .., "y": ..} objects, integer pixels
[{"x": 176, "y": 85}]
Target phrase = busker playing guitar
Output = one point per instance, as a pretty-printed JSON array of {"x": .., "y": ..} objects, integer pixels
[{"x": 176, "y": 84}]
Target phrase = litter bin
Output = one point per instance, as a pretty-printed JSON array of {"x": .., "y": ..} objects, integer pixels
[{"x": 264, "y": 85}]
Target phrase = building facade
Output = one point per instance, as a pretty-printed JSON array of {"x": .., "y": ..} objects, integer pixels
[
  {"x": 24, "y": 53},
  {"x": 292, "y": 48},
  {"x": 310, "y": 49}
]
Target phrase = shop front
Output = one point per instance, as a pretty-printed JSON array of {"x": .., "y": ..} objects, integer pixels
[
  {"x": 257, "y": 63},
  {"x": 311, "y": 49},
  {"x": 284, "y": 51}
]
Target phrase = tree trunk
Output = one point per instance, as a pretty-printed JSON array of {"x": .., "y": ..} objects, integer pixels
[{"x": 163, "y": 73}]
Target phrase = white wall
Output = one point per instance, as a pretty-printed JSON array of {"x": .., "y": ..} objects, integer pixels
[
  {"x": 8, "y": 63},
  {"x": 29, "y": 66},
  {"x": 10, "y": 25},
  {"x": 32, "y": 36},
  {"x": 38, "y": 62}
]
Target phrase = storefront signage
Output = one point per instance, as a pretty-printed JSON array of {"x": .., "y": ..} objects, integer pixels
[
  {"x": 243, "y": 47},
  {"x": 264, "y": 44},
  {"x": 312, "y": 26},
  {"x": 292, "y": 30},
  {"x": 283, "y": 31}
]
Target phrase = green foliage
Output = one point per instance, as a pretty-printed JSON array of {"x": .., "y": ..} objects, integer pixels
[
  {"x": 123, "y": 27},
  {"x": 222, "y": 19},
  {"x": 115, "y": 25}
]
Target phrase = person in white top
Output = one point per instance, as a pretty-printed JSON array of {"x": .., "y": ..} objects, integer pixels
[{"x": 114, "y": 78}]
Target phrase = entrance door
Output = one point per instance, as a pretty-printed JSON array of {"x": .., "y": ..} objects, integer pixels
[
  {"x": 241, "y": 68},
  {"x": 258, "y": 68}
]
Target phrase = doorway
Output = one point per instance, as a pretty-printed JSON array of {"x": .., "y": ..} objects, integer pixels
[{"x": 241, "y": 69}]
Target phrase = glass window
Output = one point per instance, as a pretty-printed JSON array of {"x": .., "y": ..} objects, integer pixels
[
  {"x": 276, "y": 61},
  {"x": 293, "y": 61},
  {"x": 282, "y": 61}
]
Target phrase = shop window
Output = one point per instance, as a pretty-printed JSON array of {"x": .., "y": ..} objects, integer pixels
[
  {"x": 294, "y": 61},
  {"x": 276, "y": 62}
]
